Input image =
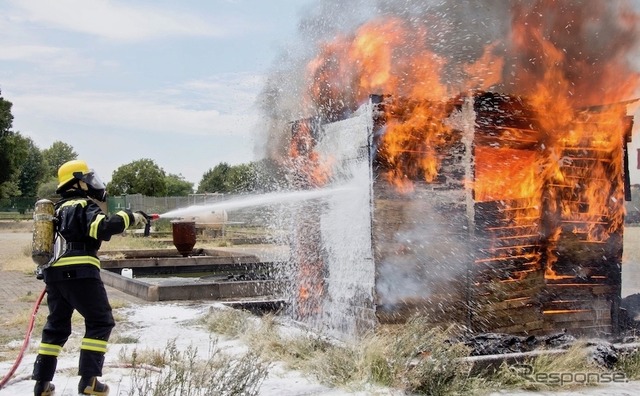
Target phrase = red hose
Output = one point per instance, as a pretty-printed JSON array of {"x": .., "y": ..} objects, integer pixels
[{"x": 26, "y": 340}]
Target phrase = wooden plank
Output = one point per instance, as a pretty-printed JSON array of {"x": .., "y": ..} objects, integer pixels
[
  {"x": 520, "y": 255},
  {"x": 532, "y": 280},
  {"x": 588, "y": 316},
  {"x": 589, "y": 273},
  {"x": 580, "y": 328},
  {"x": 515, "y": 271},
  {"x": 529, "y": 327},
  {"x": 597, "y": 304},
  {"x": 440, "y": 310},
  {"x": 510, "y": 304},
  {"x": 569, "y": 281},
  {"x": 489, "y": 298},
  {"x": 579, "y": 291},
  {"x": 490, "y": 320}
]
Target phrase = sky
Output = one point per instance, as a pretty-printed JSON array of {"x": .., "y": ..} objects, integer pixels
[{"x": 119, "y": 81}]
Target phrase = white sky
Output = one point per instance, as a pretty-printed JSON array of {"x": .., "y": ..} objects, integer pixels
[{"x": 119, "y": 80}]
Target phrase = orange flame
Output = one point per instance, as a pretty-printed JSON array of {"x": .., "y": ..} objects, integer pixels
[
  {"x": 305, "y": 160},
  {"x": 546, "y": 59},
  {"x": 555, "y": 59}
]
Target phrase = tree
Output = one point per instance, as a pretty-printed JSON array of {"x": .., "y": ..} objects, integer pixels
[
  {"x": 241, "y": 178},
  {"x": 18, "y": 148},
  {"x": 9, "y": 189},
  {"x": 32, "y": 169},
  {"x": 56, "y": 155},
  {"x": 177, "y": 186},
  {"x": 7, "y": 161},
  {"x": 47, "y": 189},
  {"x": 261, "y": 176},
  {"x": 214, "y": 180},
  {"x": 138, "y": 177},
  {"x": 6, "y": 118}
]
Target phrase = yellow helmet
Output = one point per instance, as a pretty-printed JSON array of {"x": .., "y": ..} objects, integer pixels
[
  {"x": 67, "y": 170},
  {"x": 79, "y": 170}
]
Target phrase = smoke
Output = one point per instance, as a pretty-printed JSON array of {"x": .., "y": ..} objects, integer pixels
[
  {"x": 592, "y": 44},
  {"x": 282, "y": 97}
]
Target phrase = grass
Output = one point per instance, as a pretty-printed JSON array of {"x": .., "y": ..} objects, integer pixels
[
  {"x": 30, "y": 297},
  {"x": 540, "y": 373},
  {"x": 22, "y": 319},
  {"x": 151, "y": 357},
  {"x": 417, "y": 358},
  {"x": 414, "y": 357},
  {"x": 15, "y": 216},
  {"x": 184, "y": 373},
  {"x": 120, "y": 339},
  {"x": 629, "y": 364},
  {"x": 19, "y": 259},
  {"x": 128, "y": 241},
  {"x": 115, "y": 303},
  {"x": 134, "y": 241},
  {"x": 227, "y": 321}
]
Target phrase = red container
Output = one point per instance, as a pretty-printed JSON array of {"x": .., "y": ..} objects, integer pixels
[{"x": 184, "y": 236}]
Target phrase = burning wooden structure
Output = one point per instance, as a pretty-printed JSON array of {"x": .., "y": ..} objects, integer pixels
[
  {"x": 549, "y": 258},
  {"x": 506, "y": 225},
  {"x": 495, "y": 169}
]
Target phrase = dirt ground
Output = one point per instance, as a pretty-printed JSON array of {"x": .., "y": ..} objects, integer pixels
[
  {"x": 18, "y": 289},
  {"x": 15, "y": 245}
]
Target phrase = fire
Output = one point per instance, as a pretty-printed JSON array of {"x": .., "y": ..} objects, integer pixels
[
  {"x": 547, "y": 59},
  {"x": 570, "y": 79},
  {"x": 412, "y": 142},
  {"x": 548, "y": 153},
  {"x": 313, "y": 170},
  {"x": 485, "y": 72},
  {"x": 378, "y": 59},
  {"x": 564, "y": 311},
  {"x": 515, "y": 176}
]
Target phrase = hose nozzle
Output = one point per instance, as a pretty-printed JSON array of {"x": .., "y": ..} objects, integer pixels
[{"x": 149, "y": 217}]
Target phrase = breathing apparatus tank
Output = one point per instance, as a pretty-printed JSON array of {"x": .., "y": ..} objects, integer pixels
[{"x": 42, "y": 249}]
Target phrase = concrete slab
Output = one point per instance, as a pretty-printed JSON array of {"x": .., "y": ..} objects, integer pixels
[{"x": 227, "y": 275}]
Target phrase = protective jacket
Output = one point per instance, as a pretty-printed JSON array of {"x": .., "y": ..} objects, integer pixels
[
  {"x": 73, "y": 283},
  {"x": 82, "y": 226}
]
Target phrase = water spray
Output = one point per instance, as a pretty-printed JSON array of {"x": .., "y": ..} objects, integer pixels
[{"x": 255, "y": 200}]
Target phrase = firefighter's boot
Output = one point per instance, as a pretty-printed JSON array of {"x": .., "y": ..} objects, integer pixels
[
  {"x": 43, "y": 388},
  {"x": 91, "y": 386}
]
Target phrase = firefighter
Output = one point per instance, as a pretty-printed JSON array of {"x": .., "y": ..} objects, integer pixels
[{"x": 73, "y": 277}]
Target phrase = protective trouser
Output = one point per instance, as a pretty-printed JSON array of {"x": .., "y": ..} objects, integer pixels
[{"x": 89, "y": 297}]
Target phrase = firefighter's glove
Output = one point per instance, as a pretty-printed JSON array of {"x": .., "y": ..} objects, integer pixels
[{"x": 139, "y": 219}]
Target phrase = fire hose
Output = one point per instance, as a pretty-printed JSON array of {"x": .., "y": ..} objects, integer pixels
[{"x": 27, "y": 336}]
